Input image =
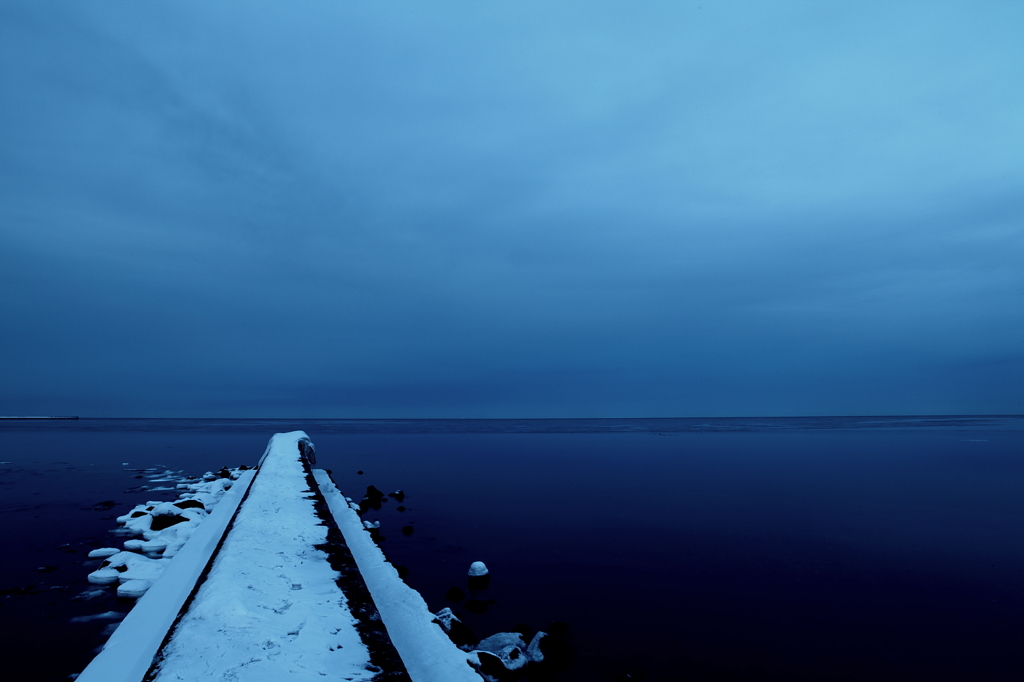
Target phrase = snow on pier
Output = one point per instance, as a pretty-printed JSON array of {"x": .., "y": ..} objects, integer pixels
[
  {"x": 429, "y": 654},
  {"x": 291, "y": 593},
  {"x": 270, "y": 607}
]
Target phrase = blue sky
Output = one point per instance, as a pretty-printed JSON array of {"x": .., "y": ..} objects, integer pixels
[{"x": 511, "y": 209}]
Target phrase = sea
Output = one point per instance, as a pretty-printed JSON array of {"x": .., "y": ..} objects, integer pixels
[{"x": 840, "y": 549}]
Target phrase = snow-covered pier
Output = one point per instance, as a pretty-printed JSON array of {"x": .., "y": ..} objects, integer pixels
[{"x": 280, "y": 581}]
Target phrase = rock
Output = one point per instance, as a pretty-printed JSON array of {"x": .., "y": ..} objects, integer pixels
[
  {"x": 372, "y": 499},
  {"x": 407, "y": 530},
  {"x": 164, "y": 520},
  {"x": 479, "y": 577},
  {"x": 307, "y": 451},
  {"x": 398, "y": 495},
  {"x": 454, "y": 594}
]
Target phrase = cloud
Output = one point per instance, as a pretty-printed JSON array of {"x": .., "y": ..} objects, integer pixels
[{"x": 509, "y": 210}]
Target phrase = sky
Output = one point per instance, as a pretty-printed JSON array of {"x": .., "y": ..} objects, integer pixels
[{"x": 529, "y": 209}]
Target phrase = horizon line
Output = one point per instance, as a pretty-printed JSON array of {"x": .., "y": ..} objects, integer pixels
[{"x": 393, "y": 418}]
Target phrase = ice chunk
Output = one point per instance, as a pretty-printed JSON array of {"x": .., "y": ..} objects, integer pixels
[
  {"x": 105, "y": 615},
  {"x": 506, "y": 647},
  {"x": 497, "y": 642},
  {"x": 103, "y": 552},
  {"x": 103, "y": 576},
  {"x": 134, "y": 589},
  {"x": 456, "y": 630},
  {"x": 138, "y": 521},
  {"x": 477, "y": 569},
  {"x": 137, "y": 511},
  {"x": 175, "y": 537},
  {"x": 90, "y": 594},
  {"x": 533, "y": 651},
  {"x": 154, "y": 546},
  {"x": 444, "y": 618},
  {"x": 125, "y": 566}
]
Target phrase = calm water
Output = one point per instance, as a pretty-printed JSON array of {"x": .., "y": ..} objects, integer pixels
[{"x": 742, "y": 549}]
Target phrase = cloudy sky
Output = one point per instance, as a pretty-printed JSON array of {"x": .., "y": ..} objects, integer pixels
[{"x": 480, "y": 209}]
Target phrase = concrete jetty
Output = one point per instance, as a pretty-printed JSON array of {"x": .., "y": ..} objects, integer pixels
[{"x": 281, "y": 582}]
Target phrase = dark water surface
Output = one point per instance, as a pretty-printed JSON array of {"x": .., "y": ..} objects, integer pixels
[{"x": 690, "y": 549}]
